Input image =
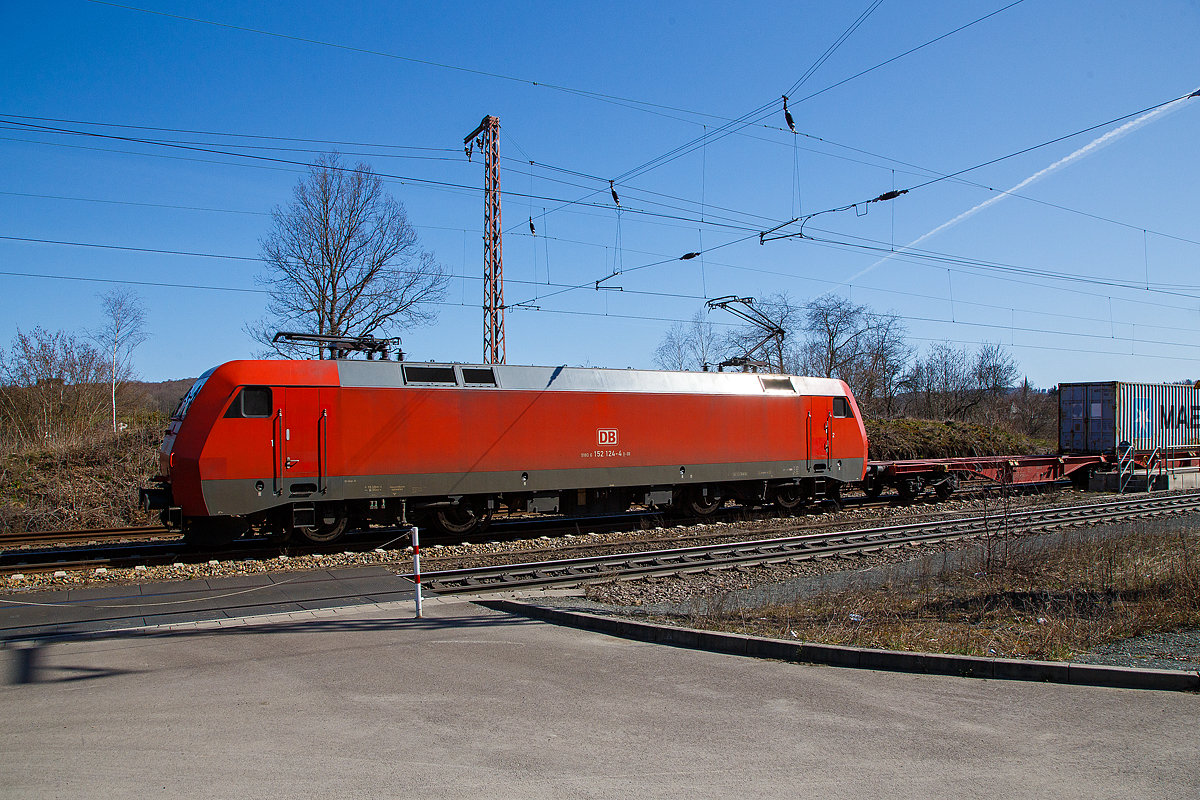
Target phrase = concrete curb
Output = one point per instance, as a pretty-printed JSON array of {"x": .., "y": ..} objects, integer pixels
[{"x": 860, "y": 657}]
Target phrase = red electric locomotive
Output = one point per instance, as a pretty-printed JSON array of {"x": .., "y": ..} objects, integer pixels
[{"x": 314, "y": 446}]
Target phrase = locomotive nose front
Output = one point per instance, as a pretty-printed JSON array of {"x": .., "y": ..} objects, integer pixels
[{"x": 159, "y": 497}]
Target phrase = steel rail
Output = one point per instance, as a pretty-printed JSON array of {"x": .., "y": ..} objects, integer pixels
[
  {"x": 684, "y": 560},
  {"x": 10, "y": 540}
]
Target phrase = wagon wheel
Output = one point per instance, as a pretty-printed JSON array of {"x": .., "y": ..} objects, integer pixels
[
  {"x": 464, "y": 517},
  {"x": 331, "y": 524},
  {"x": 699, "y": 505},
  {"x": 909, "y": 488},
  {"x": 788, "y": 497},
  {"x": 872, "y": 488},
  {"x": 947, "y": 487}
]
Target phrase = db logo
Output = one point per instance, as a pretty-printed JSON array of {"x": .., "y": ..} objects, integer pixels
[{"x": 606, "y": 437}]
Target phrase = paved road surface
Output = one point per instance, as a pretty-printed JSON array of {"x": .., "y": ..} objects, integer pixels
[
  {"x": 473, "y": 703},
  {"x": 109, "y": 607}
]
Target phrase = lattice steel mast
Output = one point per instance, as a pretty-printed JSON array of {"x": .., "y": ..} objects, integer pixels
[{"x": 488, "y": 141}]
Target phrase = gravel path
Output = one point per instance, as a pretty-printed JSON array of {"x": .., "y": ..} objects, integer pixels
[{"x": 1178, "y": 650}]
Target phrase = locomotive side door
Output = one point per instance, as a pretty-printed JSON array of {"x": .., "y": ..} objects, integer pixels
[
  {"x": 303, "y": 425},
  {"x": 820, "y": 416},
  {"x": 817, "y": 432}
]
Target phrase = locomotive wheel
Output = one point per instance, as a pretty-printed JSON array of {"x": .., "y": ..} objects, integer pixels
[
  {"x": 332, "y": 524},
  {"x": 462, "y": 518},
  {"x": 699, "y": 505},
  {"x": 789, "y": 497}
]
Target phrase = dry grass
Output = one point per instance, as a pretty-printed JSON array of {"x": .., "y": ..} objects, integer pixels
[
  {"x": 83, "y": 481},
  {"x": 1048, "y": 604}
]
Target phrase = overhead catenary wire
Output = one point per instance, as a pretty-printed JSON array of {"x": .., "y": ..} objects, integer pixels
[
  {"x": 833, "y": 47},
  {"x": 230, "y": 134},
  {"x": 595, "y": 95},
  {"x": 749, "y": 117},
  {"x": 774, "y": 232},
  {"x": 637, "y": 191},
  {"x": 640, "y": 105},
  {"x": 404, "y": 179},
  {"x": 723, "y": 130},
  {"x": 648, "y": 318},
  {"x": 918, "y": 256}
]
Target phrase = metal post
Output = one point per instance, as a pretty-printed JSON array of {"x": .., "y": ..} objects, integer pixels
[
  {"x": 416, "y": 539},
  {"x": 493, "y": 275}
]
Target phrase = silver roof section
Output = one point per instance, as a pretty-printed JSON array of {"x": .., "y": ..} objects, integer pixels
[{"x": 382, "y": 374}]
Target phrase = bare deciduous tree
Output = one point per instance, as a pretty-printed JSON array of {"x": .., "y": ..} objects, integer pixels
[
  {"x": 867, "y": 350},
  {"x": 54, "y": 385},
  {"x": 343, "y": 260},
  {"x": 689, "y": 345},
  {"x": 122, "y": 332},
  {"x": 1033, "y": 412},
  {"x": 835, "y": 328},
  {"x": 952, "y": 383}
]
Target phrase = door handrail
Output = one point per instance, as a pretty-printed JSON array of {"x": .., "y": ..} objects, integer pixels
[
  {"x": 322, "y": 450},
  {"x": 277, "y": 451}
]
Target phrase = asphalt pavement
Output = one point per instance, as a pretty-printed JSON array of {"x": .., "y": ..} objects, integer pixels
[
  {"x": 469, "y": 702},
  {"x": 94, "y": 609}
]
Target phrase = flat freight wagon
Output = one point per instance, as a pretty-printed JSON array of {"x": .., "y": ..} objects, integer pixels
[{"x": 1099, "y": 418}]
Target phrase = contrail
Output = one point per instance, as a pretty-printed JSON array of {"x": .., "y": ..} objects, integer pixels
[{"x": 1082, "y": 152}]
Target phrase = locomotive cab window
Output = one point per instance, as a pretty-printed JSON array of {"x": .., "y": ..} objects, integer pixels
[
  {"x": 251, "y": 401},
  {"x": 841, "y": 407}
]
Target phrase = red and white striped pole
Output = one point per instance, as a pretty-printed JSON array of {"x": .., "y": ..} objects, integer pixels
[{"x": 416, "y": 540}]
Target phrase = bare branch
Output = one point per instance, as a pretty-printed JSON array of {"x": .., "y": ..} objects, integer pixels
[{"x": 343, "y": 260}]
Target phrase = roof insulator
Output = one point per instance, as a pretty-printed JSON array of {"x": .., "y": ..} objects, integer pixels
[{"x": 892, "y": 195}]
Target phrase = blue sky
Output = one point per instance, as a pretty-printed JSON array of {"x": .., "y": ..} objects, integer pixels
[{"x": 1092, "y": 274}]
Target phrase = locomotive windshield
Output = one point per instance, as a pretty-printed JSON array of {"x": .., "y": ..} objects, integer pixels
[{"x": 186, "y": 402}]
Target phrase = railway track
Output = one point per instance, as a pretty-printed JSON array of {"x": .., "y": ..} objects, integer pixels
[
  {"x": 150, "y": 545},
  {"x": 9, "y": 541},
  {"x": 499, "y": 528},
  {"x": 699, "y": 558}
]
